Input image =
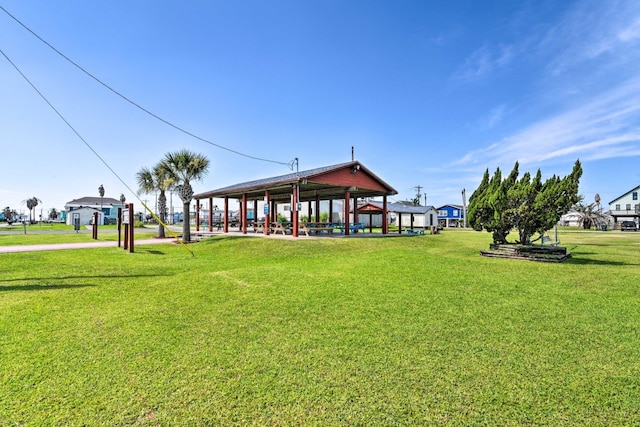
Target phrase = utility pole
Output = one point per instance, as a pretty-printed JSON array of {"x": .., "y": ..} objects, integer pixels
[
  {"x": 418, "y": 195},
  {"x": 464, "y": 207}
]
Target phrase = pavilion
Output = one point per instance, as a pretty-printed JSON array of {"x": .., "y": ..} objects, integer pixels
[{"x": 345, "y": 181}]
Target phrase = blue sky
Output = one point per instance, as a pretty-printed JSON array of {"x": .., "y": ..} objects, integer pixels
[{"x": 428, "y": 93}]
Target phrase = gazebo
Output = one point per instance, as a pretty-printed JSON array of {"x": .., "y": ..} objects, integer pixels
[
  {"x": 345, "y": 181},
  {"x": 427, "y": 215}
]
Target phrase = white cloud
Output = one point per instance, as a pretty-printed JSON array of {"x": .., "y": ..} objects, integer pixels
[
  {"x": 604, "y": 128},
  {"x": 494, "y": 118},
  {"x": 630, "y": 33},
  {"x": 588, "y": 32},
  {"x": 485, "y": 60}
]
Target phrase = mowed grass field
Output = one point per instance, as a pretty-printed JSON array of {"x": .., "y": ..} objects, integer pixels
[{"x": 416, "y": 330}]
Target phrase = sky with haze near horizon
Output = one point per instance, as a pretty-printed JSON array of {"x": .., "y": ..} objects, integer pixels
[{"x": 429, "y": 94}]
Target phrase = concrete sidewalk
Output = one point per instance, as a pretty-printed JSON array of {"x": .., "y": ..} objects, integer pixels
[{"x": 83, "y": 245}]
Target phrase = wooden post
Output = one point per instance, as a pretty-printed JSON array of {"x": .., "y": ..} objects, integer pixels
[
  {"x": 385, "y": 221},
  {"x": 355, "y": 212},
  {"x": 94, "y": 229},
  {"x": 399, "y": 222},
  {"x": 226, "y": 214},
  {"x": 274, "y": 211},
  {"x": 255, "y": 212},
  {"x": 210, "y": 214},
  {"x": 294, "y": 212},
  {"x": 131, "y": 227},
  {"x": 119, "y": 226},
  {"x": 330, "y": 210},
  {"x": 197, "y": 215},
  {"x": 267, "y": 203},
  {"x": 347, "y": 197},
  {"x": 244, "y": 213},
  {"x": 318, "y": 209},
  {"x": 370, "y": 222}
]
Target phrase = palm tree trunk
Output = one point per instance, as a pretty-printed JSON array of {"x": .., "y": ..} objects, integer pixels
[
  {"x": 186, "y": 226},
  {"x": 162, "y": 207}
]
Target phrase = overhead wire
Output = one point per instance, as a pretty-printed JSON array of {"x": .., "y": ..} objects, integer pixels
[
  {"x": 33, "y": 86},
  {"x": 135, "y": 104}
]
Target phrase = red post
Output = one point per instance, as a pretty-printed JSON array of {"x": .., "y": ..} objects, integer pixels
[
  {"x": 356, "y": 217},
  {"x": 331, "y": 210},
  {"x": 94, "y": 229},
  {"x": 197, "y": 215},
  {"x": 294, "y": 212},
  {"x": 244, "y": 213},
  {"x": 119, "y": 226},
  {"x": 385, "y": 222},
  {"x": 226, "y": 214},
  {"x": 347, "y": 197},
  {"x": 255, "y": 213},
  {"x": 210, "y": 214},
  {"x": 267, "y": 197},
  {"x": 131, "y": 227}
]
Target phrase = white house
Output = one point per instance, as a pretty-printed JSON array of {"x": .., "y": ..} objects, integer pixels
[
  {"x": 107, "y": 207},
  {"x": 626, "y": 207},
  {"x": 404, "y": 216},
  {"x": 84, "y": 215}
]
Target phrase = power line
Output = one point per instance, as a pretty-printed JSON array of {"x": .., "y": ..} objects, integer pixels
[
  {"x": 83, "y": 140},
  {"x": 135, "y": 104}
]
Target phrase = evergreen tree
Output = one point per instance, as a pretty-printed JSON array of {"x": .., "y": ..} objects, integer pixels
[{"x": 527, "y": 205}]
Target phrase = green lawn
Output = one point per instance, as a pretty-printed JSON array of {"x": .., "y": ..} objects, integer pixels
[
  {"x": 37, "y": 234},
  {"x": 355, "y": 331}
]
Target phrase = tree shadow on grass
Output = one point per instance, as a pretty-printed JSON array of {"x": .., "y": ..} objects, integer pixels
[
  {"x": 578, "y": 260},
  {"x": 64, "y": 277},
  {"x": 150, "y": 251},
  {"x": 40, "y": 287}
]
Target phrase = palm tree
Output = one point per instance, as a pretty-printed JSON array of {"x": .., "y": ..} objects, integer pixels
[
  {"x": 589, "y": 215},
  {"x": 31, "y": 205},
  {"x": 183, "y": 167},
  {"x": 156, "y": 179}
]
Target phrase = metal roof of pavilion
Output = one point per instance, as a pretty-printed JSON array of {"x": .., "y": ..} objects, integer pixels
[{"x": 327, "y": 182}]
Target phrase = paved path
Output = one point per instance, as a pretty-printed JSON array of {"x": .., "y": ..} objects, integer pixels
[{"x": 83, "y": 245}]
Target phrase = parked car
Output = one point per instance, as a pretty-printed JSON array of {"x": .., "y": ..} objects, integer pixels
[{"x": 628, "y": 226}]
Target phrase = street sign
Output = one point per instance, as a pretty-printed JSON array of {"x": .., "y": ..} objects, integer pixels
[{"x": 125, "y": 216}]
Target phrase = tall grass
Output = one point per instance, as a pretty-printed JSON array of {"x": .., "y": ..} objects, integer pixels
[{"x": 396, "y": 330}]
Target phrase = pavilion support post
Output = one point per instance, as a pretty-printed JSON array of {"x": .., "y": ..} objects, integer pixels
[
  {"x": 244, "y": 213},
  {"x": 225, "y": 220},
  {"x": 255, "y": 212},
  {"x": 399, "y": 223},
  {"x": 197, "y": 215},
  {"x": 318, "y": 209},
  {"x": 294, "y": 212},
  {"x": 274, "y": 212},
  {"x": 347, "y": 197},
  {"x": 370, "y": 222},
  {"x": 330, "y": 210},
  {"x": 210, "y": 214},
  {"x": 267, "y": 202},
  {"x": 309, "y": 211},
  {"x": 412, "y": 221},
  {"x": 385, "y": 222},
  {"x": 356, "y": 217}
]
